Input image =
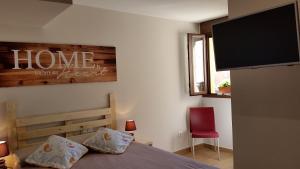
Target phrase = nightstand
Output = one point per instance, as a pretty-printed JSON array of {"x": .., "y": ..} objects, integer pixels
[{"x": 143, "y": 141}]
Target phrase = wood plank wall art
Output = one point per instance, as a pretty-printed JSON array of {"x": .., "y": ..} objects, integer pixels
[{"x": 26, "y": 64}]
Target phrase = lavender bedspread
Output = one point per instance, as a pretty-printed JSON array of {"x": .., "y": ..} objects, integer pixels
[{"x": 137, "y": 156}]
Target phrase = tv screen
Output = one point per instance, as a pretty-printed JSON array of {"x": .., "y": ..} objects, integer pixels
[{"x": 265, "y": 38}]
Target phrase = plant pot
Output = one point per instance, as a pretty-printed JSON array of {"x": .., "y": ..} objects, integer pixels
[{"x": 225, "y": 90}]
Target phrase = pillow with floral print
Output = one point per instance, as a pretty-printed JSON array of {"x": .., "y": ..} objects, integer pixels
[
  {"x": 57, "y": 152},
  {"x": 109, "y": 141}
]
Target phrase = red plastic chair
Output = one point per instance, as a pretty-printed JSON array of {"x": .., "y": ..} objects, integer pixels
[{"x": 202, "y": 125}]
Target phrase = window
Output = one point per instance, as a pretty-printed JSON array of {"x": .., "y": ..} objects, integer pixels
[
  {"x": 202, "y": 65},
  {"x": 197, "y": 68}
]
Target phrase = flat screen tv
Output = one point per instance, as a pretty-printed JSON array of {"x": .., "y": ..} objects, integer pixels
[{"x": 266, "y": 38}]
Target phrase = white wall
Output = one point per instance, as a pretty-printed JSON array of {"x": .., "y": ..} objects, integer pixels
[
  {"x": 266, "y": 109},
  {"x": 151, "y": 71},
  {"x": 223, "y": 120}
]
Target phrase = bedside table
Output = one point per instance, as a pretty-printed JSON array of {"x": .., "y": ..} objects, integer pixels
[{"x": 143, "y": 141}]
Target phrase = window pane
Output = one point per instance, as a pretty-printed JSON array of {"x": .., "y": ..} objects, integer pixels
[
  {"x": 197, "y": 64},
  {"x": 217, "y": 79}
]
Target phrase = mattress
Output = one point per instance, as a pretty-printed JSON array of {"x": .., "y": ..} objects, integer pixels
[{"x": 137, "y": 156}]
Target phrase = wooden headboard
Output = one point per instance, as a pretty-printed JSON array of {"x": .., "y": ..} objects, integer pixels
[{"x": 32, "y": 131}]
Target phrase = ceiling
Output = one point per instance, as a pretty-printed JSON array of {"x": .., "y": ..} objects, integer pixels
[
  {"x": 34, "y": 13},
  {"x": 183, "y": 10},
  {"x": 37, "y": 13},
  {"x": 60, "y": 1}
]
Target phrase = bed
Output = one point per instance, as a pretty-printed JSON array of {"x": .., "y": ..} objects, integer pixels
[{"x": 30, "y": 132}]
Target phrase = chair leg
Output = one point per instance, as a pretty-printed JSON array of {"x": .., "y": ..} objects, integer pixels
[
  {"x": 193, "y": 148},
  {"x": 215, "y": 144},
  {"x": 191, "y": 143},
  {"x": 219, "y": 156}
]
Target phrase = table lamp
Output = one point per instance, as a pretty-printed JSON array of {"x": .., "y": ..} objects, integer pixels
[
  {"x": 3, "y": 152},
  {"x": 130, "y": 126}
]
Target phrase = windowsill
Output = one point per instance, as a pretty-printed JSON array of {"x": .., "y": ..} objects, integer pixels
[{"x": 217, "y": 96}]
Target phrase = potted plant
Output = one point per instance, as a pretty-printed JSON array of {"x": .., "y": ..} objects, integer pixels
[{"x": 224, "y": 88}]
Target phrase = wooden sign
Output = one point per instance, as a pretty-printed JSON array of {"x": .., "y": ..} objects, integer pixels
[{"x": 25, "y": 64}]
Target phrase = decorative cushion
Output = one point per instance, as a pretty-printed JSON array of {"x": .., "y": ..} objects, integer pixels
[
  {"x": 57, "y": 152},
  {"x": 109, "y": 141}
]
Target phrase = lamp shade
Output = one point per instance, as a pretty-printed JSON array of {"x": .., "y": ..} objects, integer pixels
[
  {"x": 3, "y": 149},
  {"x": 130, "y": 125}
]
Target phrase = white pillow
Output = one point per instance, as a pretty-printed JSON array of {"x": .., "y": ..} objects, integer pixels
[
  {"x": 109, "y": 141},
  {"x": 57, "y": 152}
]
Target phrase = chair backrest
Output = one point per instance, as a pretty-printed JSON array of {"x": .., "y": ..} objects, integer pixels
[{"x": 202, "y": 119}]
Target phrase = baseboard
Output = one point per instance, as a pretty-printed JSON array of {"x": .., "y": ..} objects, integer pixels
[{"x": 199, "y": 146}]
